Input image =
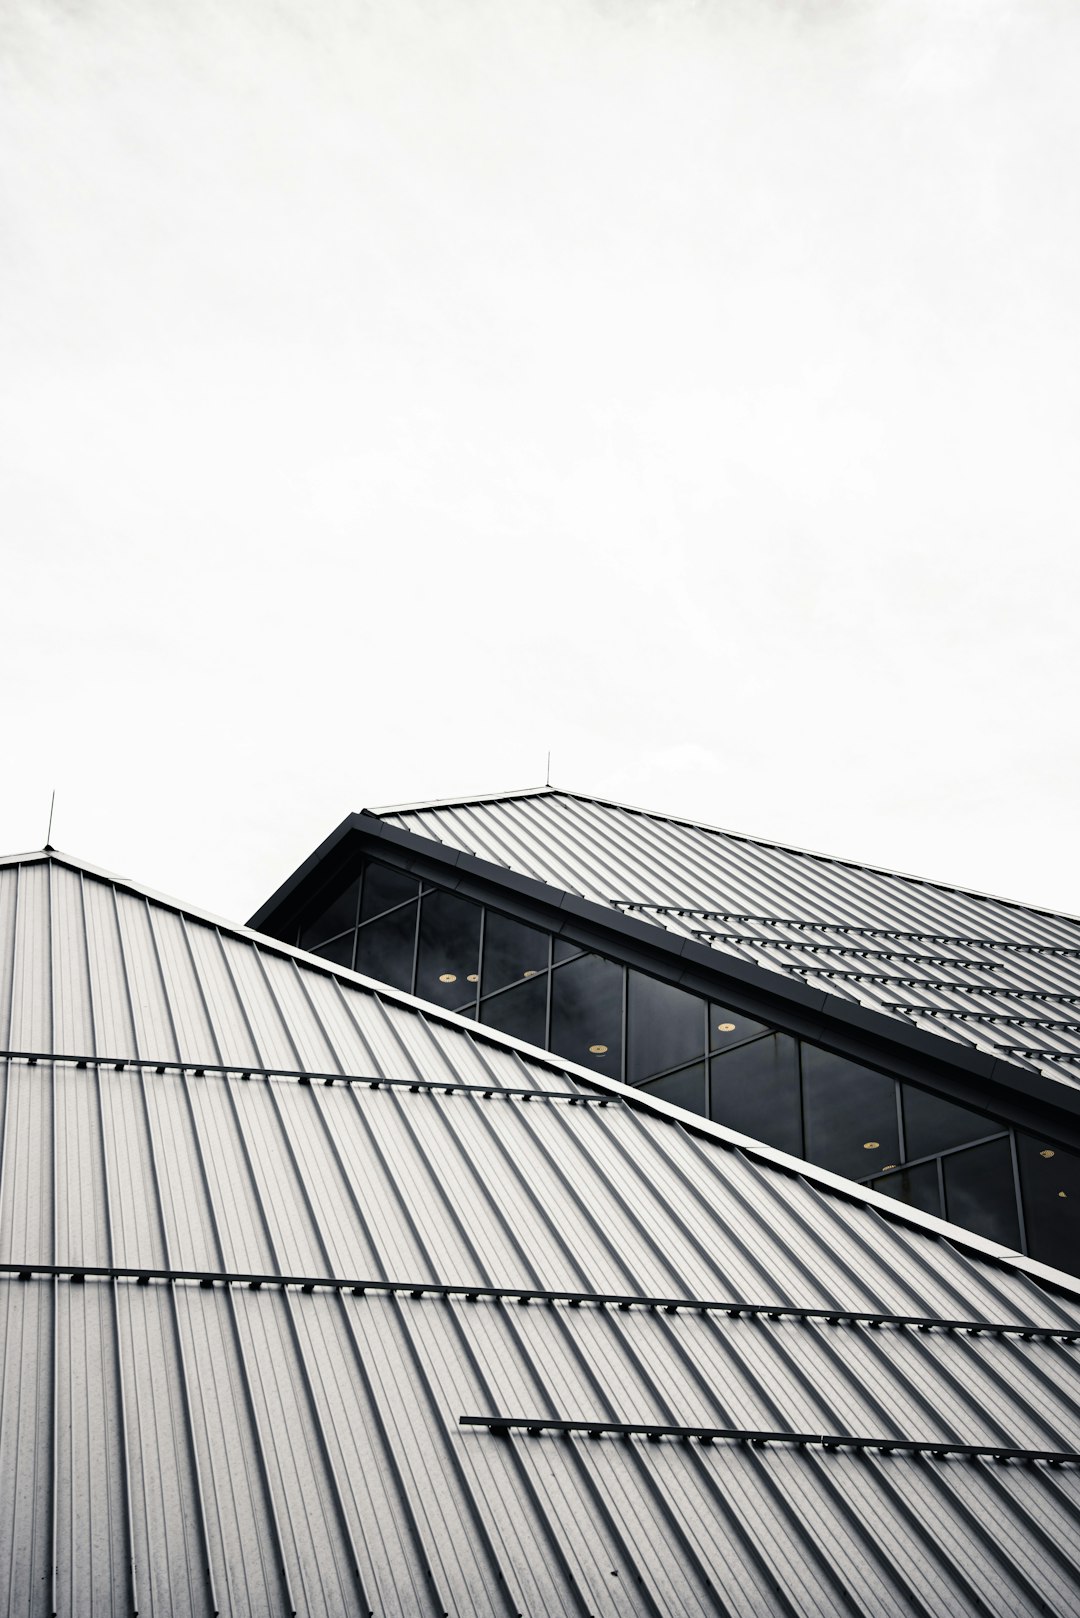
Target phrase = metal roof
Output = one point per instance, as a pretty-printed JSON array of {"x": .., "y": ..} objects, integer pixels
[
  {"x": 1000, "y": 976},
  {"x": 468, "y": 1230}
]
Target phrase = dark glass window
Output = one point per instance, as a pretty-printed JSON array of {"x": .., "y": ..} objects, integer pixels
[
  {"x": 384, "y": 948},
  {"x": 850, "y": 1114},
  {"x": 684, "y": 1089},
  {"x": 467, "y": 1008},
  {"x": 665, "y": 1026},
  {"x": 755, "y": 1089},
  {"x": 731, "y": 1028},
  {"x": 979, "y": 1191},
  {"x": 449, "y": 953},
  {"x": 932, "y": 1124},
  {"x": 330, "y": 916},
  {"x": 512, "y": 951},
  {"x": 383, "y": 889},
  {"x": 338, "y": 950},
  {"x": 586, "y": 1013},
  {"x": 1050, "y": 1183},
  {"x": 917, "y": 1187},
  {"x": 564, "y": 949},
  {"x": 521, "y": 1011}
]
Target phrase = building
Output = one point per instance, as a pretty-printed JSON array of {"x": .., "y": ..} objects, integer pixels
[
  {"x": 318, "y": 1298},
  {"x": 920, "y": 1039}
]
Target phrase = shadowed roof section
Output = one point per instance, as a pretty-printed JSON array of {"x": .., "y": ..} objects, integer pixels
[
  {"x": 999, "y": 976},
  {"x": 313, "y": 1300}
]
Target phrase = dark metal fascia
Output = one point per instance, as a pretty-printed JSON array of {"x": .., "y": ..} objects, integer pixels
[
  {"x": 282, "y": 900},
  {"x": 968, "y": 1076}
]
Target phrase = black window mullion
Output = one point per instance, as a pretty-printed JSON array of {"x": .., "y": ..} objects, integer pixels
[
  {"x": 934, "y": 1157},
  {"x": 1017, "y": 1190},
  {"x": 364, "y": 866},
  {"x": 479, "y": 964},
  {"x": 802, "y": 1097},
  {"x": 547, "y": 990},
  {"x": 736, "y": 1044},
  {"x": 676, "y": 1067},
  {"x": 416, "y": 942},
  {"x": 548, "y": 975},
  {"x": 356, "y": 913},
  {"x": 901, "y": 1135}
]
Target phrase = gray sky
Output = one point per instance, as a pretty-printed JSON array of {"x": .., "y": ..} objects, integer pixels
[{"x": 391, "y": 392}]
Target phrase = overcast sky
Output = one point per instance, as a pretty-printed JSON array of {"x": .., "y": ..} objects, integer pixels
[{"x": 393, "y": 392}]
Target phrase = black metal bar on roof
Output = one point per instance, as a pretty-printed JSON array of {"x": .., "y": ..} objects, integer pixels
[
  {"x": 1040, "y": 1051},
  {"x": 1022, "y": 994},
  {"x": 834, "y": 1316},
  {"x": 846, "y": 949},
  {"x": 373, "y": 1081},
  {"x": 744, "y": 1435},
  {"x": 918, "y": 983},
  {"x": 987, "y": 1016},
  {"x": 848, "y": 927}
]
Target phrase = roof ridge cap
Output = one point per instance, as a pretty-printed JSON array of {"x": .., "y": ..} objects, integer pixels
[{"x": 502, "y": 796}]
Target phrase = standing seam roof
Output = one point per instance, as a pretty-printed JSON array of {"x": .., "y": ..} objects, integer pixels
[
  {"x": 1002, "y": 977},
  {"x": 243, "y": 1311}
]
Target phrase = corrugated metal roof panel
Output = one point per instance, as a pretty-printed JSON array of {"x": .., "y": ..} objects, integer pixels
[
  {"x": 873, "y": 936},
  {"x": 179, "y": 1444},
  {"x": 332, "y": 1474}
]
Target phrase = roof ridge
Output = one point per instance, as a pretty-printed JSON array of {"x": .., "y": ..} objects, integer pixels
[
  {"x": 504, "y": 795},
  {"x": 74, "y": 862}
]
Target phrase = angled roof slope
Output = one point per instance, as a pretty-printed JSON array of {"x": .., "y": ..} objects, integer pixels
[
  {"x": 188, "y": 1434},
  {"x": 1000, "y": 976}
]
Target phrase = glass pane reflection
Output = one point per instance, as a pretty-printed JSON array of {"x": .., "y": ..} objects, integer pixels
[
  {"x": 850, "y": 1115},
  {"x": 521, "y": 1011},
  {"x": 665, "y": 1026},
  {"x": 731, "y": 1028},
  {"x": 512, "y": 951},
  {"x": 755, "y": 1089},
  {"x": 338, "y": 950},
  {"x": 330, "y": 916},
  {"x": 685, "y": 1089},
  {"x": 979, "y": 1191},
  {"x": 449, "y": 950},
  {"x": 932, "y": 1124},
  {"x": 586, "y": 1013},
  {"x": 383, "y": 888},
  {"x": 384, "y": 948},
  {"x": 917, "y": 1187},
  {"x": 1050, "y": 1181}
]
